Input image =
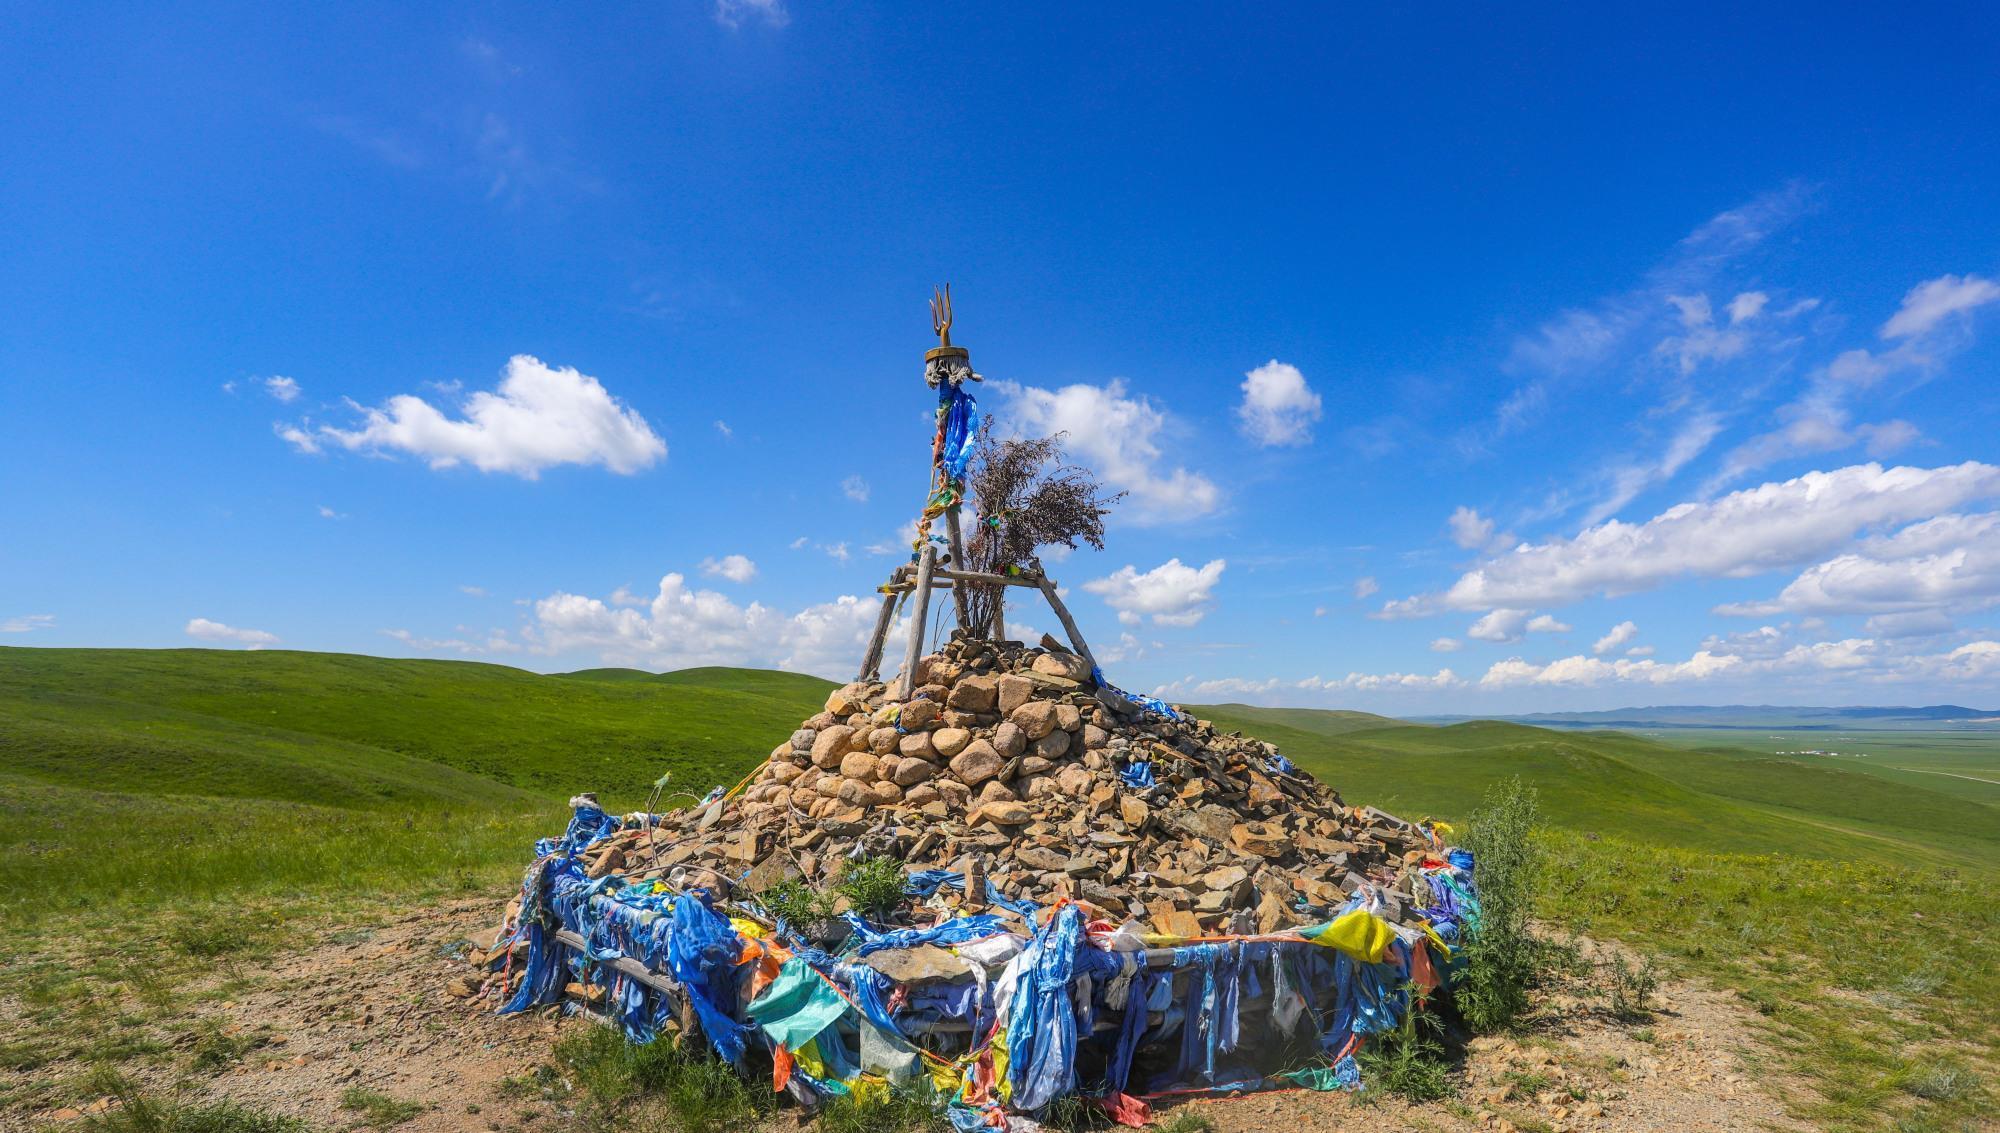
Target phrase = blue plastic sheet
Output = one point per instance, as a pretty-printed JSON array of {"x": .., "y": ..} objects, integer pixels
[
  {"x": 1137, "y": 775},
  {"x": 1282, "y": 765},
  {"x": 1151, "y": 704}
]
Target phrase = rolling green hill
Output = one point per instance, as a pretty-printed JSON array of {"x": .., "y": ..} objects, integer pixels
[
  {"x": 1720, "y": 799},
  {"x": 199, "y": 772}
]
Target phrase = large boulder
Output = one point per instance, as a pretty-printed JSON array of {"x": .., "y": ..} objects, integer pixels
[
  {"x": 974, "y": 694},
  {"x": 977, "y": 763},
  {"x": 830, "y": 745}
]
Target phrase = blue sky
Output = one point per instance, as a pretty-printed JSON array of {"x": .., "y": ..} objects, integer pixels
[{"x": 1479, "y": 361}]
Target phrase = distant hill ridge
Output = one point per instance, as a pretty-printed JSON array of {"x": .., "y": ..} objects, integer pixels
[{"x": 1759, "y": 716}]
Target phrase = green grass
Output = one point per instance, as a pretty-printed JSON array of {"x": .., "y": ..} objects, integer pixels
[
  {"x": 1619, "y": 785},
  {"x": 175, "y": 816}
]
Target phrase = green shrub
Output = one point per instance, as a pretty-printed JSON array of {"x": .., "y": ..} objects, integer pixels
[
  {"x": 1410, "y": 1060},
  {"x": 797, "y": 904},
  {"x": 1629, "y": 989},
  {"x": 874, "y": 886},
  {"x": 1502, "y": 957}
]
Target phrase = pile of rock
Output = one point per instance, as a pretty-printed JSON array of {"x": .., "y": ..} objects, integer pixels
[{"x": 1009, "y": 763}]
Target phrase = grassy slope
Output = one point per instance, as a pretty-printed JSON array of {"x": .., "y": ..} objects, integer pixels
[
  {"x": 1611, "y": 783},
  {"x": 173, "y": 775}
]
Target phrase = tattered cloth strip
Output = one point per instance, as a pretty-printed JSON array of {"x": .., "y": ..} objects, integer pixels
[{"x": 1071, "y": 1006}]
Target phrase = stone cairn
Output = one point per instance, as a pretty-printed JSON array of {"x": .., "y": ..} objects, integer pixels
[{"x": 1009, "y": 763}]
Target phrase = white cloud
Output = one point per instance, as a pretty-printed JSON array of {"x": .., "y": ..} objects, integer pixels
[
  {"x": 837, "y": 552},
  {"x": 1749, "y": 532},
  {"x": 1366, "y": 587},
  {"x": 1950, "y": 561},
  {"x": 1120, "y": 438},
  {"x": 732, "y": 14},
  {"x": 326, "y": 512},
  {"x": 473, "y": 591},
  {"x": 284, "y": 389},
  {"x": 538, "y": 418},
  {"x": 800, "y": 543},
  {"x": 1469, "y": 529},
  {"x": 1864, "y": 660},
  {"x": 1640, "y": 651},
  {"x": 1619, "y": 635},
  {"x": 1188, "y": 688},
  {"x": 1580, "y": 670},
  {"x": 1546, "y": 623},
  {"x": 1629, "y": 479},
  {"x": 1933, "y": 301},
  {"x": 722, "y": 427},
  {"x": 1278, "y": 407},
  {"x": 1500, "y": 625},
  {"x": 1816, "y": 421},
  {"x": 1700, "y": 339},
  {"x": 1171, "y": 593},
  {"x": 681, "y": 627},
  {"x": 1914, "y": 623},
  {"x": 1746, "y": 306},
  {"x": 299, "y": 436},
  {"x": 495, "y": 641},
  {"x": 735, "y": 568},
  {"x": 206, "y": 630},
  {"x": 1889, "y": 437},
  {"x": 855, "y": 488},
  {"x": 1446, "y": 645},
  {"x": 27, "y": 623}
]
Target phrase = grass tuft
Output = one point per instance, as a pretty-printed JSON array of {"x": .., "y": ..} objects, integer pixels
[{"x": 377, "y": 1109}]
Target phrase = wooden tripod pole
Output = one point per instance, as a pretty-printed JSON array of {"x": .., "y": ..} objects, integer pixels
[
  {"x": 958, "y": 563},
  {"x": 919, "y": 618}
]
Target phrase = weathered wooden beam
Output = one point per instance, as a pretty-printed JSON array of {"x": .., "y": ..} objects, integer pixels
[
  {"x": 1028, "y": 580},
  {"x": 1048, "y": 589},
  {"x": 957, "y": 560},
  {"x": 871, "y": 663},
  {"x": 624, "y": 965},
  {"x": 919, "y": 619}
]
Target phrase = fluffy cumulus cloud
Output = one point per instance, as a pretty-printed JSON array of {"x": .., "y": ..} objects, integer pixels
[
  {"x": 855, "y": 488},
  {"x": 680, "y": 626},
  {"x": 1509, "y": 625},
  {"x": 1949, "y": 562},
  {"x": 1366, "y": 588},
  {"x": 1749, "y": 532},
  {"x": 1278, "y": 407},
  {"x": 1121, "y": 438},
  {"x": 1476, "y": 532},
  {"x": 27, "y": 623},
  {"x": 1619, "y": 636},
  {"x": 1446, "y": 645},
  {"x": 284, "y": 389},
  {"x": 1172, "y": 594},
  {"x": 539, "y": 417},
  {"x": 202, "y": 629},
  {"x": 736, "y": 568}
]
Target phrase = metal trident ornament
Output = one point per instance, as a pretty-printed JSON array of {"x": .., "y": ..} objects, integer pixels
[{"x": 941, "y": 314}]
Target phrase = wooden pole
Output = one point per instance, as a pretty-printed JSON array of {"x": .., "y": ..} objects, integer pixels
[
  {"x": 999, "y": 613},
  {"x": 1068, "y": 623},
  {"x": 957, "y": 563},
  {"x": 919, "y": 618},
  {"x": 871, "y": 664}
]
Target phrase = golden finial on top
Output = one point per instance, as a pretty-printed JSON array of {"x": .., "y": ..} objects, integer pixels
[{"x": 941, "y": 314}]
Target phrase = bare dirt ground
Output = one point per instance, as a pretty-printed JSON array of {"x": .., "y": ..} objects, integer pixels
[{"x": 373, "y": 1008}]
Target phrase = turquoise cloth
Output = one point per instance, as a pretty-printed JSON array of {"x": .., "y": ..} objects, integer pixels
[{"x": 797, "y": 1006}]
